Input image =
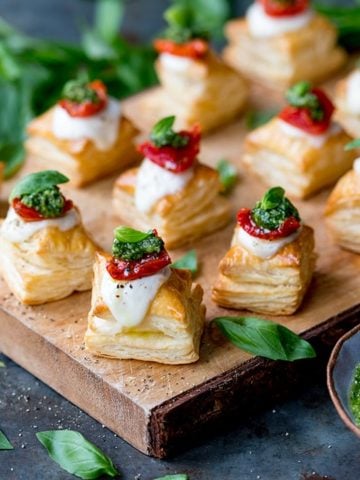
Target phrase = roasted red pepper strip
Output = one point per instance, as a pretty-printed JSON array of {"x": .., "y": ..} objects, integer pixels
[
  {"x": 196, "y": 48},
  {"x": 87, "y": 108},
  {"x": 29, "y": 214},
  {"x": 278, "y": 8},
  {"x": 134, "y": 269},
  {"x": 289, "y": 226},
  {"x": 300, "y": 117},
  {"x": 174, "y": 159}
]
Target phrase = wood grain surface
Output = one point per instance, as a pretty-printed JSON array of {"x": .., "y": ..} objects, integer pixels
[{"x": 155, "y": 407}]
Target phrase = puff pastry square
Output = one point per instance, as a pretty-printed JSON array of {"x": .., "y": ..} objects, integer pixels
[
  {"x": 207, "y": 92},
  {"x": 347, "y": 118},
  {"x": 343, "y": 212},
  {"x": 187, "y": 215},
  {"x": 274, "y": 286},
  {"x": 50, "y": 265},
  {"x": 170, "y": 332},
  {"x": 80, "y": 160},
  {"x": 309, "y": 53},
  {"x": 279, "y": 159}
]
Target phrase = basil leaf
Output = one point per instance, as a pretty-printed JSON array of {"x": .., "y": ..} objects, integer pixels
[
  {"x": 353, "y": 144},
  {"x": 108, "y": 18},
  {"x": 129, "y": 235},
  {"x": 257, "y": 118},
  {"x": 179, "y": 476},
  {"x": 347, "y": 21},
  {"x": 272, "y": 198},
  {"x": 76, "y": 455},
  {"x": 13, "y": 156},
  {"x": 4, "y": 442},
  {"x": 187, "y": 262},
  {"x": 2, "y": 364},
  {"x": 228, "y": 175},
  {"x": 264, "y": 338},
  {"x": 36, "y": 182}
]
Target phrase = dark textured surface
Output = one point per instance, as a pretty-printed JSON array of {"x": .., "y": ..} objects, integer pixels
[{"x": 290, "y": 442}]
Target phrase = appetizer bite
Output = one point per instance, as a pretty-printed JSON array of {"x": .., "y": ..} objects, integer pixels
[
  {"x": 197, "y": 86},
  {"x": 141, "y": 307},
  {"x": 271, "y": 260},
  {"x": 280, "y": 42},
  {"x": 172, "y": 190},
  {"x": 45, "y": 252},
  {"x": 347, "y": 100},
  {"x": 85, "y": 135},
  {"x": 342, "y": 211},
  {"x": 302, "y": 147}
]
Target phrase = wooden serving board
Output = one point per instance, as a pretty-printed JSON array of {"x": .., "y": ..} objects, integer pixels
[{"x": 157, "y": 407}]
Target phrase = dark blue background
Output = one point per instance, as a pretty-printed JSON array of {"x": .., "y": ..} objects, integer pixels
[{"x": 290, "y": 442}]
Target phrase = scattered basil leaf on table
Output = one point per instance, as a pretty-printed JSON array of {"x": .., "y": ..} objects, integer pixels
[
  {"x": 228, "y": 175},
  {"x": 4, "y": 442},
  {"x": 2, "y": 364},
  {"x": 76, "y": 455},
  {"x": 264, "y": 338},
  {"x": 353, "y": 144},
  {"x": 257, "y": 118},
  {"x": 179, "y": 476},
  {"x": 188, "y": 262}
]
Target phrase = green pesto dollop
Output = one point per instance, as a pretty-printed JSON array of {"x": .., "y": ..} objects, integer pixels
[
  {"x": 354, "y": 396},
  {"x": 136, "y": 250},
  {"x": 49, "y": 202},
  {"x": 273, "y": 209}
]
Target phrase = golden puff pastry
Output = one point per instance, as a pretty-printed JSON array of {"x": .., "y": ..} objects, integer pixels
[
  {"x": 308, "y": 53},
  {"x": 271, "y": 259},
  {"x": 169, "y": 333},
  {"x": 196, "y": 210},
  {"x": 85, "y": 135},
  {"x": 49, "y": 265},
  {"x": 273, "y": 286},
  {"x": 45, "y": 253},
  {"x": 342, "y": 211},
  {"x": 347, "y": 102},
  {"x": 296, "y": 161}
]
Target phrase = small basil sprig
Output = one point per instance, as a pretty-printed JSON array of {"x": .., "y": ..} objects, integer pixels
[
  {"x": 76, "y": 455},
  {"x": 4, "y": 442},
  {"x": 353, "y": 144},
  {"x": 273, "y": 209},
  {"x": 187, "y": 262},
  {"x": 228, "y": 175},
  {"x": 301, "y": 96},
  {"x": 37, "y": 182},
  {"x": 163, "y": 135},
  {"x": 179, "y": 476},
  {"x": 264, "y": 338},
  {"x": 257, "y": 118},
  {"x": 79, "y": 91}
]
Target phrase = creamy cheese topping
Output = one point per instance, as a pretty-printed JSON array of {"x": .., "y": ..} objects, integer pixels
[
  {"x": 101, "y": 128},
  {"x": 176, "y": 63},
  {"x": 128, "y": 301},
  {"x": 16, "y": 230},
  {"x": 154, "y": 182},
  {"x": 353, "y": 93},
  {"x": 258, "y": 246},
  {"x": 264, "y": 26},
  {"x": 316, "y": 141},
  {"x": 356, "y": 166}
]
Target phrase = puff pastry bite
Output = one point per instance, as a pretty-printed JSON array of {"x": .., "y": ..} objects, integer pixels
[
  {"x": 280, "y": 42},
  {"x": 347, "y": 100},
  {"x": 45, "y": 252},
  {"x": 141, "y": 307},
  {"x": 342, "y": 211},
  {"x": 171, "y": 190},
  {"x": 196, "y": 85},
  {"x": 302, "y": 147},
  {"x": 271, "y": 260},
  {"x": 85, "y": 135}
]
